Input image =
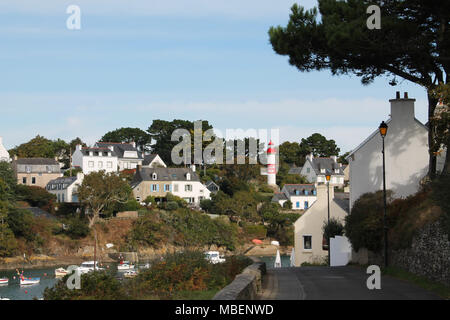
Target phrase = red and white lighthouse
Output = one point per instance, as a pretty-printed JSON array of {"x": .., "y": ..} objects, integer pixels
[{"x": 271, "y": 165}]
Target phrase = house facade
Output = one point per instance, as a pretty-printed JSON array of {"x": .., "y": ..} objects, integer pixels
[
  {"x": 128, "y": 156},
  {"x": 212, "y": 186},
  {"x": 36, "y": 171},
  {"x": 153, "y": 161},
  {"x": 4, "y": 154},
  {"x": 308, "y": 231},
  {"x": 315, "y": 170},
  {"x": 158, "y": 182},
  {"x": 302, "y": 196},
  {"x": 406, "y": 152},
  {"x": 95, "y": 159},
  {"x": 65, "y": 188}
]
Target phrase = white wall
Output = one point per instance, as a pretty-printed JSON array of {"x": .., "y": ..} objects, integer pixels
[
  {"x": 198, "y": 190},
  {"x": 406, "y": 146},
  {"x": 340, "y": 251},
  {"x": 82, "y": 161},
  {"x": 4, "y": 155},
  {"x": 302, "y": 199}
]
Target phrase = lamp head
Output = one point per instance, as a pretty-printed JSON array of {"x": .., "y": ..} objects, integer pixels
[
  {"x": 328, "y": 176},
  {"x": 383, "y": 129}
]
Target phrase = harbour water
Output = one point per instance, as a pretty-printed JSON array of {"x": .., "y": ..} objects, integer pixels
[
  {"x": 270, "y": 261},
  {"x": 14, "y": 291}
]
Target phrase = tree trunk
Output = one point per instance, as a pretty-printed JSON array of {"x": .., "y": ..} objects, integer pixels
[
  {"x": 432, "y": 102},
  {"x": 446, "y": 169},
  {"x": 92, "y": 220}
]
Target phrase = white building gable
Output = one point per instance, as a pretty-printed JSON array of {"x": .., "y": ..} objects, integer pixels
[
  {"x": 4, "y": 155},
  {"x": 406, "y": 145}
]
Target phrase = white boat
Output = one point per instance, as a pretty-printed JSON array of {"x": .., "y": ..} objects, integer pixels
[
  {"x": 4, "y": 281},
  {"x": 24, "y": 281},
  {"x": 88, "y": 266},
  {"x": 4, "y": 298},
  {"x": 130, "y": 274},
  {"x": 60, "y": 272},
  {"x": 214, "y": 257},
  {"x": 277, "y": 263},
  {"x": 125, "y": 266}
]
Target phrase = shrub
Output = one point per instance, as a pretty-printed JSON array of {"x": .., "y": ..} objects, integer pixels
[
  {"x": 206, "y": 205},
  {"x": 21, "y": 222},
  {"x": 255, "y": 231},
  {"x": 364, "y": 225},
  {"x": 332, "y": 228},
  {"x": 36, "y": 196},
  {"x": 171, "y": 206},
  {"x": 441, "y": 195},
  {"x": 265, "y": 189},
  {"x": 287, "y": 205},
  {"x": 77, "y": 228}
]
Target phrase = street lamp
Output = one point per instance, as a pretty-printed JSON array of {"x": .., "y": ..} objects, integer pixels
[
  {"x": 328, "y": 176},
  {"x": 383, "y": 131}
]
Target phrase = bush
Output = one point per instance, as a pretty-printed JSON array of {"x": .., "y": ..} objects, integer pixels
[
  {"x": 441, "y": 195},
  {"x": 21, "y": 223},
  {"x": 332, "y": 228},
  {"x": 265, "y": 189},
  {"x": 36, "y": 196},
  {"x": 255, "y": 231},
  {"x": 171, "y": 206},
  {"x": 206, "y": 205},
  {"x": 287, "y": 205},
  {"x": 77, "y": 228},
  {"x": 364, "y": 225}
]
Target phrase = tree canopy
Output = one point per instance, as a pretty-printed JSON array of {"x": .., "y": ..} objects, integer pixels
[
  {"x": 126, "y": 135},
  {"x": 413, "y": 43},
  {"x": 319, "y": 146}
]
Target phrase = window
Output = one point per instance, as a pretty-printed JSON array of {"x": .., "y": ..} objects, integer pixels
[
  {"x": 154, "y": 176},
  {"x": 100, "y": 164},
  {"x": 322, "y": 170},
  {"x": 49, "y": 169},
  {"x": 188, "y": 187},
  {"x": 188, "y": 176},
  {"x": 336, "y": 170},
  {"x": 62, "y": 197},
  {"x": 125, "y": 166},
  {"x": 28, "y": 169},
  {"x": 297, "y": 192},
  {"x": 91, "y": 164},
  {"x": 307, "y": 242},
  {"x": 24, "y": 180},
  {"x": 109, "y": 164},
  {"x": 33, "y": 180},
  {"x": 59, "y": 198},
  {"x": 297, "y": 204},
  {"x": 308, "y": 170},
  {"x": 175, "y": 187},
  {"x": 167, "y": 187},
  {"x": 155, "y": 187},
  {"x": 306, "y": 205}
]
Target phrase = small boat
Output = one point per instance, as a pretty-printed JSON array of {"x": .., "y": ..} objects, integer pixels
[
  {"x": 29, "y": 281},
  {"x": 60, "y": 272},
  {"x": 88, "y": 266},
  {"x": 4, "y": 298},
  {"x": 4, "y": 281},
  {"x": 125, "y": 266},
  {"x": 130, "y": 274},
  {"x": 214, "y": 257}
]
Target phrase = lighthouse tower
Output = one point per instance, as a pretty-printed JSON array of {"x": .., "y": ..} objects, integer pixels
[{"x": 271, "y": 165}]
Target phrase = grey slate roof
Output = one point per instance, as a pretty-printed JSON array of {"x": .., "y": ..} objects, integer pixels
[
  {"x": 97, "y": 151},
  {"x": 327, "y": 164},
  {"x": 295, "y": 170},
  {"x": 343, "y": 203},
  {"x": 36, "y": 161},
  {"x": 148, "y": 158},
  {"x": 64, "y": 181},
  {"x": 164, "y": 174},
  {"x": 212, "y": 186},
  {"x": 291, "y": 188},
  {"x": 120, "y": 148},
  {"x": 36, "y": 165},
  {"x": 277, "y": 196}
]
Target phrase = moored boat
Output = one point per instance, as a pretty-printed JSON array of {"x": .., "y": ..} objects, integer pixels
[
  {"x": 125, "y": 266},
  {"x": 88, "y": 266},
  {"x": 60, "y": 272},
  {"x": 4, "y": 281},
  {"x": 130, "y": 274},
  {"x": 24, "y": 281}
]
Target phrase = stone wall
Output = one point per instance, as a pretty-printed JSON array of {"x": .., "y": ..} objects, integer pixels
[
  {"x": 428, "y": 256},
  {"x": 246, "y": 285}
]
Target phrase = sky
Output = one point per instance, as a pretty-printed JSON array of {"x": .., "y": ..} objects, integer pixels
[{"x": 134, "y": 61}]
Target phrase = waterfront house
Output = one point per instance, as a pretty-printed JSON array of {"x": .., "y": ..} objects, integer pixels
[
  {"x": 65, "y": 188},
  {"x": 302, "y": 196},
  {"x": 316, "y": 168},
  {"x": 153, "y": 161},
  {"x": 128, "y": 156},
  {"x": 95, "y": 159},
  {"x": 36, "y": 171}
]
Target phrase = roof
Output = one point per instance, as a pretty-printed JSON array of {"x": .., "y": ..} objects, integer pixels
[
  {"x": 37, "y": 161},
  {"x": 295, "y": 170},
  {"x": 120, "y": 148},
  {"x": 97, "y": 151},
  {"x": 65, "y": 181},
  {"x": 277, "y": 196},
  {"x": 291, "y": 188},
  {"x": 164, "y": 174},
  {"x": 148, "y": 158},
  {"x": 327, "y": 164},
  {"x": 343, "y": 203}
]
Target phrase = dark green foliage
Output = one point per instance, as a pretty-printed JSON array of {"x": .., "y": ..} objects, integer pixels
[
  {"x": 98, "y": 285},
  {"x": 127, "y": 135},
  {"x": 171, "y": 205},
  {"x": 206, "y": 205},
  {"x": 287, "y": 205},
  {"x": 318, "y": 145},
  {"x": 333, "y": 228},
  {"x": 255, "y": 231},
  {"x": 8, "y": 176},
  {"x": 21, "y": 223},
  {"x": 77, "y": 228},
  {"x": 441, "y": 195},
  {"x": 364, "y": 225},
  {"x": 36, "y": 196}
]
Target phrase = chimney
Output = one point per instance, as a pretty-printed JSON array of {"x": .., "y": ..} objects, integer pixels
[
  {"x": 310, "y": 156},
  {"x": 138, "y": 168},
  {"x": 78, "y": 147},
  {"x": 111, "y": 148},
  {"x": 80, "y": 176},
  {"x": 193, "y": 167},
  {"x": 133, "y": 144},
  {"x": 334, "y": 158},
  {"x": 402, "y": 109}
]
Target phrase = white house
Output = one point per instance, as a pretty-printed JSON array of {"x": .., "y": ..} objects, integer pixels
[
  {"x": 158, "y": 182},
  {"x": 4, "y": 155},
  {"x": 153, "y": 161},
  {"x": 128, "y": 156},
  {"x": 308, "y": 232},
  {"x": 302, "y": 196},
  {"x": 406, "y": 150},
  {"x": 65, "y": 188},
  {"x": 95, "y": 159},
  {"x": 315, "y": 170}
]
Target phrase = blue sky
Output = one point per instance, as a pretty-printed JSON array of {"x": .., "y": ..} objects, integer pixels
[{"x": 134, "y": 61}]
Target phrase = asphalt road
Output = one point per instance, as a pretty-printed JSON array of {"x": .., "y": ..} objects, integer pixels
[{"x": 336, "y": 283}]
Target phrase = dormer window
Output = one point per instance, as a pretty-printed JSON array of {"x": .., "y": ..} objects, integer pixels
[
  {"x": 322, "y": 170},
  {"x": 91, "y": 153},
  {"x": 296, "y": 192},
  {"x": 109, "y": 154},
  {"x": 188, "y": 176},
  {"x": 154, "y": 176},
  {"x": 336, "y": 170}
]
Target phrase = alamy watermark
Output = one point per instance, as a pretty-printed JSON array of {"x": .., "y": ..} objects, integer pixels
[
  {"x": 374, "y": 280},
  {"x": 73, "y": 22},
  {"x": 374, "y": 20}
]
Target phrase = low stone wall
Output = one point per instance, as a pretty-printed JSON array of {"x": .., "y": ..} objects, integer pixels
[
  {"x": 246, "y": 285},
  {"x": 428, "y": 256}
]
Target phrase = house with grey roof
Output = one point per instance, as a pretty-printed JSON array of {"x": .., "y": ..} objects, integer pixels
[
  {"x": 153, "y": 161},
  {"x": 36, "y": 171},
  {"x": 302, "y": 196},
  {"x": 316, "y": 168},
  {"x": 158, "y": 182},
  {"x": 212, "y": 186},
  {"x": 93, "y": 159},
  {"x": 128, "y": 156},
  {"x": 65, "y": 188}
]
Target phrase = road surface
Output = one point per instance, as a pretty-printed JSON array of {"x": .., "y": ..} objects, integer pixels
[{"x": 336, "y": 283}]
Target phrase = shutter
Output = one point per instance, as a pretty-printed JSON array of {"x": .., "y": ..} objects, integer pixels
[{"x": 157, "y": 187}]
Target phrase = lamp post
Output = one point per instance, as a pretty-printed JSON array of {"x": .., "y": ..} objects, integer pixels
[
  {"x": 328, "y": 176},
  {"x": 383, "y": 131}
]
